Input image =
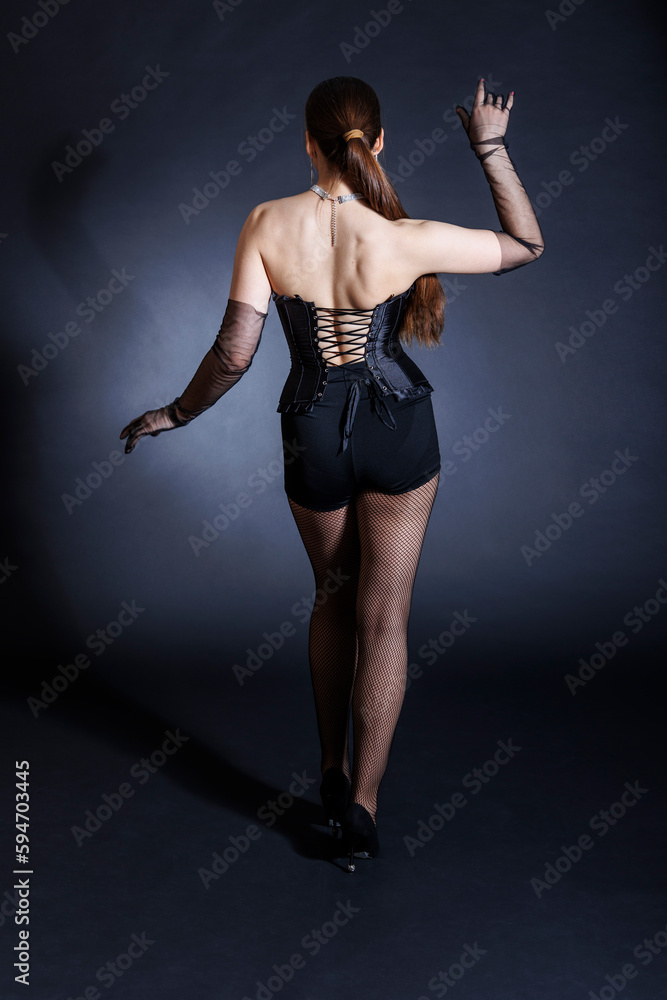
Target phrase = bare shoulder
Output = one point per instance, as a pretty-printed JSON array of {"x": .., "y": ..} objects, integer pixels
[
  {"x": 417, "y": 228},
  {"x": 268, "y": 214},
  {"x": 408, "y": 223}
]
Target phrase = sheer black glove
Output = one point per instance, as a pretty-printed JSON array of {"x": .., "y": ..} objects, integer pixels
[
  {"x": 228, "y": 359},
  {"x": 521, "y": 240}
]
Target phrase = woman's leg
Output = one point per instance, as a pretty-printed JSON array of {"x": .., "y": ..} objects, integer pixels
[
  {"x": 332, "y": 544},
  {"x": 364, "y": 557},
  {"x": 391, "y": 532}
]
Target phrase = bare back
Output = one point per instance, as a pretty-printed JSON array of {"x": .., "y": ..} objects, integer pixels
[
  {"x": 367, "y": 265},
  {"x": 285, "y": 248}
]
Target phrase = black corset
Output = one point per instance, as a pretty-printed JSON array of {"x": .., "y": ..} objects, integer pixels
[{"x": 374, "y": 340}]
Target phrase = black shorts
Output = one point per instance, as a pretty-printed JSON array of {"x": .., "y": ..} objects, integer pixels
[{"x": 347, "y": 442}]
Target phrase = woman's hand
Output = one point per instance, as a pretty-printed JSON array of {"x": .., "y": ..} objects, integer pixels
[
  {"x": 152, "y": 422},
  {"x": 488, "y": 118}
]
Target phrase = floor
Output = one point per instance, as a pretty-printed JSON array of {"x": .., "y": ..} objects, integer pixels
[{"x": 178, "y": 849}]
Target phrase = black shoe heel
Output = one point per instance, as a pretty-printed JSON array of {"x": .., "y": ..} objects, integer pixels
[
  {"x": 334, "y": 791},
  {"x": 360, "y": 833}
]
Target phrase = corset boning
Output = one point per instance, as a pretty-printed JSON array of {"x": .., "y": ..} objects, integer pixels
[{"x": 370, "y": 335}]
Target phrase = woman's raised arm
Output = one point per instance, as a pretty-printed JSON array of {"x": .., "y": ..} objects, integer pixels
[{"x": 445, "y": 248}]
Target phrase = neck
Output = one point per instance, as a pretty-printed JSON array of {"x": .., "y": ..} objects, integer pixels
[{"x": 342, "y": 186}]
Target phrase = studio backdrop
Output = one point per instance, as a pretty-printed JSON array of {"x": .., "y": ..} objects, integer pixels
[{"x": 168, "y": 591}]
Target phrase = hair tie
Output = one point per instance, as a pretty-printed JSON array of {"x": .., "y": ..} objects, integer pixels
[{"x": 354, "y": 133}]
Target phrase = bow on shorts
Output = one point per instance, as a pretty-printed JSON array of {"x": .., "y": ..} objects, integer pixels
[{"x": 378, "y": 402}]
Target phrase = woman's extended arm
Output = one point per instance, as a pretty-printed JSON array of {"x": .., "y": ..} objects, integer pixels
[
  {"x": 454, "y": 249},
  {"x": 521, "y": 239},
  {"x": 231, "y": 354}
]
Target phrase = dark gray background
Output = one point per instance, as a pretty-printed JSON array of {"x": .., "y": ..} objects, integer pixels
[
  {"x": 119, "y": 209},
  {"x": 129, "y": 539}
]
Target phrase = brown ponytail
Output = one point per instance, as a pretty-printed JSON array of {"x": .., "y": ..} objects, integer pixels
[{"x": 335, "y": 106}]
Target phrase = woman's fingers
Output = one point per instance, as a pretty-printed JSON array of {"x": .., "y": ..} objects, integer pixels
[
  {"x": 130, "y": 427},
  {"x": 479, "y": 115},
  {"x": 131, "y": 441},
  {"x": 135, "y": 435},
  {"x": 132, "y": 432},
  {"x": 463, "y": 115},
  {"x": 151, "y": 422},
  {"x": 483, "y": 100},
  {"x": 479, "y": 93}
]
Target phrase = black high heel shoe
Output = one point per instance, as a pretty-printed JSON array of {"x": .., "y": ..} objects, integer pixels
[
  {"x": 334, "y": 790},
  {"x": 360, "y": 834}
]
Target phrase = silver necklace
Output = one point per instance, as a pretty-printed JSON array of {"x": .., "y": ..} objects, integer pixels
[{"x": 340, "y": 199}]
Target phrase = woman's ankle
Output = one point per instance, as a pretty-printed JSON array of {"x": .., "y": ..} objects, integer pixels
[
  {"x": 370, "y": 807},
  {"x": 345, "y": 768}
]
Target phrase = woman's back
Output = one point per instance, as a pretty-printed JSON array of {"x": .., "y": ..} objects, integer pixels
[
  {"x": 369, "y": 263},
  {"x": 353, "y": 277}
]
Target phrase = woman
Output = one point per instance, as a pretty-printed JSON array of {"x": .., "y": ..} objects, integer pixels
[{"x": 362, "y": 484}]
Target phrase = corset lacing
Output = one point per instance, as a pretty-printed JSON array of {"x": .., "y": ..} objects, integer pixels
[
  {"x": 358, "y": 335},
  {"x": 356, "y": 367}
]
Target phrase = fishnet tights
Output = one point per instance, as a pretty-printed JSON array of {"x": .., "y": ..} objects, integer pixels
[{"x": 364, "y": 557}]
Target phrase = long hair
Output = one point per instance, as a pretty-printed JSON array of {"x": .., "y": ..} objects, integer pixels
[{"x": 346, "y": 102}]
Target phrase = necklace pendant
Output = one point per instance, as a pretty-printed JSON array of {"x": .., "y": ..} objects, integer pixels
[{"x": 340, "y": 199}]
